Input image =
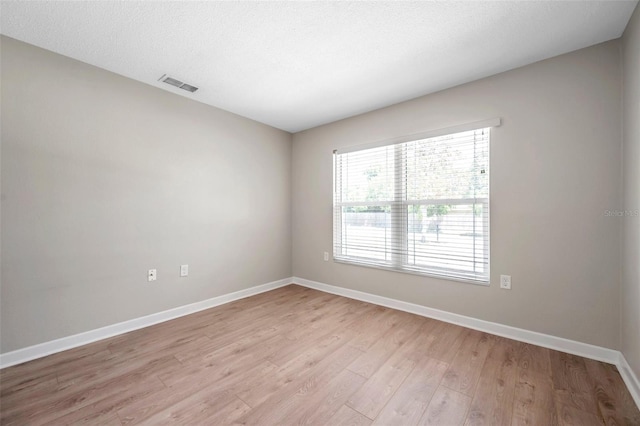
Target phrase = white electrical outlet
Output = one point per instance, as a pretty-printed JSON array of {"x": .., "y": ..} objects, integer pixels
[
  {"x": 326, "y": 256},
  {"x": 184, "y": 270},
  {"x": 152, "y": 275},
  {"x": 505, "y": 282}
]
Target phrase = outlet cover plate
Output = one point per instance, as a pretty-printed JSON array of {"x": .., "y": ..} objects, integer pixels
[{"x": 505, "y": 282}]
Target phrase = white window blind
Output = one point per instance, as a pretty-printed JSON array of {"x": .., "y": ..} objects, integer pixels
[{"x": 419, "y": 206}]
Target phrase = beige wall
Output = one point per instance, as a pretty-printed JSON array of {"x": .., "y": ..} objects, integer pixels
[
  {"x": 631, "y": 231},
  {"x": 555, "y": 169},
  {"x": 104, "y": 177}
]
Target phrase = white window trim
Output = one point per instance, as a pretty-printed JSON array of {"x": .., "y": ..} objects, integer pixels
[{"x": 400, "y": 264}]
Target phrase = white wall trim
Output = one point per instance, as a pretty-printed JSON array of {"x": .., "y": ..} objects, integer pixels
[
  {"x": 630, "y": 379},
  {"x": 47, "y": 348}
]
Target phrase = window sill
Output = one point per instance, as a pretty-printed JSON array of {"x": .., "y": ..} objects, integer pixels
[{"x": 412, "y": 272}]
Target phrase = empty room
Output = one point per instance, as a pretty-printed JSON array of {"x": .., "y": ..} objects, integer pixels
[{"x": 320, "y": 212}]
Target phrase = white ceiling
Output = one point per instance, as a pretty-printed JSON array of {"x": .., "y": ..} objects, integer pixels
[{"x": 296, "y": 65}]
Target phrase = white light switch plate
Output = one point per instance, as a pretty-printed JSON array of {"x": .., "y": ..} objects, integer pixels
[
  {"x": 184, "y": 270},
  {"x": 152, "y": 275}
]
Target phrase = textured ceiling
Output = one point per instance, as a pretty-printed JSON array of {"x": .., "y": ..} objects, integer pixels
[{"x": 296, "y": 65}]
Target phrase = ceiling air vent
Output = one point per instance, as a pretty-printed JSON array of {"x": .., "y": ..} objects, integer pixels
[{"x": 179, "y": 84}]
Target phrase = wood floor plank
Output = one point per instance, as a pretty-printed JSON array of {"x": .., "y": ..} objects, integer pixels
[
  {"x": 202, "y": 407},
  {"x": 275, "y": 312},
  {"x": 329, "y": 355},
  {"x": 344, "y": 331},
  {"x": 378, "y": 322},
  {"x": 317, "y": 315},
  {"x": 299, "y": 356},
  {"x": 263, "y": 336},
  {"x": 117, "y": 365},
  {"x": 34, "y": 388},
  {"x": 447, "y": 407},
  {"x": 572, "y": 416},
  {"x": 144, "y": 367},
  {"x": 141, "y": 410},
  {"x": 465, "y": 368},
  {"x": 160, "y": 335},
  {"x": 316, "y": 408},
  {"x": 114, "y": 368},
  {"x": 228, "y": 361},
  {"x": 492, "y": 403},
  {"x": 534, "y": 402},
  {"x": 347, "y": 416},
  {"x": 26, "y": 375},
  {"x": 180, "y": 342},
  {"x": 571, "y": 382},
  {"x": 444, "y": 341},
  {"x": 269, "y": 324},
  {"x": 615, "y": 404},
  {"x": 46, "y": 410},
  {"x": 408, "y": 404},
  {"x": 270, "y": 408},
  {"x": 371, "y": 398},
  {"x": 104, "y": 411},
  {"x": 369, "y": 362},
  {"x": 93, "y": 418},
  {"x": 534, "y": 358}
]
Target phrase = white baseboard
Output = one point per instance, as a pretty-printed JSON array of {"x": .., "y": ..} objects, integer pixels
[
  {"x": 43, "y": 349},
  {"x": 630, "y": 379}
]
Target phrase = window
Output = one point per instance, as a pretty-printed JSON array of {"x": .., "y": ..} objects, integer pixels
[{"x": 420, "y": 205}]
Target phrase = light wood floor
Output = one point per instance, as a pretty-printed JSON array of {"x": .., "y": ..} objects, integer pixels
[{"x": 296, "y": 355}]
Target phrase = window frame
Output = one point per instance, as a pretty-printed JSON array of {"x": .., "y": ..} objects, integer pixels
[{"x": 399, "y": 207}]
